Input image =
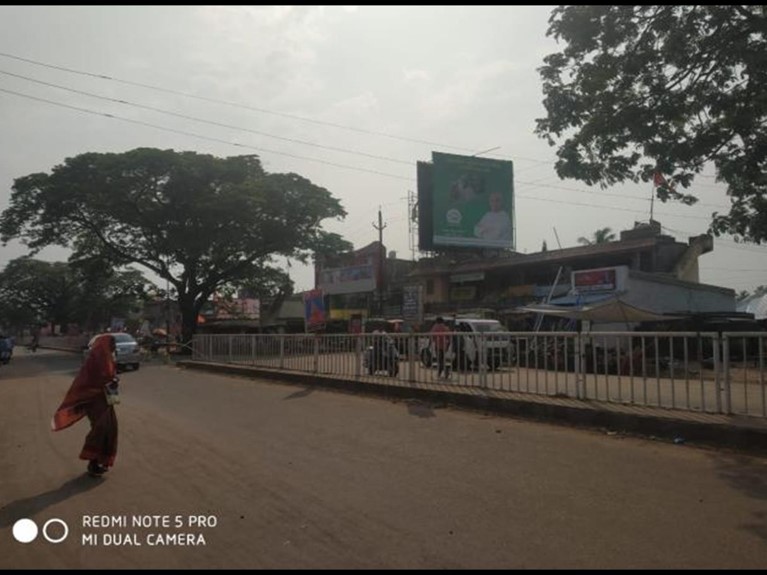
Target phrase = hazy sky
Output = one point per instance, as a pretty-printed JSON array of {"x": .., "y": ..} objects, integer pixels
[{"x": 383, "y": 86}]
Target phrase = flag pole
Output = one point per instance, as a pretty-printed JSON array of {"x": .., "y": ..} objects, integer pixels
[{"x": 652, "y": 199}]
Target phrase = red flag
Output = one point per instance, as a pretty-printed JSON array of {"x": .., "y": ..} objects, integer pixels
[{"x": 659, "y": 180}]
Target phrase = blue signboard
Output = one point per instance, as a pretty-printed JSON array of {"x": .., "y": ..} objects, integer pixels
[{"x": 314, "y": 310}]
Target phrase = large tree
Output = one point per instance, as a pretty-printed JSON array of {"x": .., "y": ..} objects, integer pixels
[
  {"x": 640, "y": 90},
  {"x": 198, "y": 221}
]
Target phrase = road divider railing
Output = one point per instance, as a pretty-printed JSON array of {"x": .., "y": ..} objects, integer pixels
[{"x": 705, "y": 372}]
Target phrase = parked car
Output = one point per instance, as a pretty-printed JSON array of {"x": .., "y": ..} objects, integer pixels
[
  {"x": 466, "y": 344},
  {"x": 127, "y": 352}
]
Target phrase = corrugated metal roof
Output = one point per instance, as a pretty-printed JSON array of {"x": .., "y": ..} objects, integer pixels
[
  {"x": 561, "y": 256},
  {"x": 756, "y": 305},
  {"x": 581, "y": 299}
]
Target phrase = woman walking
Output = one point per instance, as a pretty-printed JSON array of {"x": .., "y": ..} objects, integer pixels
[{"x": 93, "y": 393}]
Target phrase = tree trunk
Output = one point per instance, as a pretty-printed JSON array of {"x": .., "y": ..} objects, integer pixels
[{"x": 189, "y": 311}]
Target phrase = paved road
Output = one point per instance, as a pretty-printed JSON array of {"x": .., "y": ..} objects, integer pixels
[{"x": 296, "y": 477}]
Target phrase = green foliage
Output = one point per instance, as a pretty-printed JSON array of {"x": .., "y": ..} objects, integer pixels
[
  {"x": 35, "y": 292},
  {"x": 40, "y": 291},
  {"x": 200, "y": 222},
  {"x": 668, "y": 89},
  {"x": 600, "y": 236},
  {"x": 745, "y": 294},
  {"x": 104, "y": 292}
]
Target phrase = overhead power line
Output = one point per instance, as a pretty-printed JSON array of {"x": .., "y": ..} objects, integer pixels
[
  {"x": 271, "y": 112},
  {"x": 194, "y": 135},
  {"x": 252, "y": 108},
  {"x": 297, "y": 141},
  {"x": 295, "y": 156},
  {"x": 228, "y": 103},
  {"x": 202, "y": 120}
]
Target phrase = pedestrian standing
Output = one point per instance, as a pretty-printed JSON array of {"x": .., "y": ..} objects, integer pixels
[{"x": 441, "y": 339}]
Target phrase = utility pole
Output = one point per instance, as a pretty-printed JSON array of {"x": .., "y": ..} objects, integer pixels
[
  {"x": 381, "y": 269},
  {"x": 167, "y": 303},
  {"x": 412, "y": 222}
]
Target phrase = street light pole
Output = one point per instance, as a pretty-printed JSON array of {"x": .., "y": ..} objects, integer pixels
[
  {"x": 382, "y": 262},
  {"x": 167, "y": 304}
]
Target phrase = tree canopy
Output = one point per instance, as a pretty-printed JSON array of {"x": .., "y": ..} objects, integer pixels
[
  {"x": 600, "y": 236},
  {"x": 198, "y": 221},
  {"x": 639, "y": 90},
  {"x": 35, "y": 291}
]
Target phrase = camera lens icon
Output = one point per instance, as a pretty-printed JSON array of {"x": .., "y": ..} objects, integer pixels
[{"x": 26, "y": 530}]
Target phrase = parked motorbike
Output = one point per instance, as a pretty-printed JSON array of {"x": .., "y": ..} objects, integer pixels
[{"x": 382, "y": 356}]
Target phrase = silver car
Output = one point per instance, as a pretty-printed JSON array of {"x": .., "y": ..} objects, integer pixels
[
  {"x": 127, "y": 352},
  {"x": 471, "y": 334}
]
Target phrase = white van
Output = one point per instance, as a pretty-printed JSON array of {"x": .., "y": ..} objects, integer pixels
[{"x": 465, "y": 349}]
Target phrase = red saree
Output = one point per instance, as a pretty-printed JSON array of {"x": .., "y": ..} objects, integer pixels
[{"x": 86, "y": 398}]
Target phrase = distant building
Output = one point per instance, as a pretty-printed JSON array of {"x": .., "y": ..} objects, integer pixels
[
  {"x": 362, "y": 283},
  {"x": 655, "y": 272},
  {"x": 650, "y": 270},
  {"x": 241, "y": 314}
]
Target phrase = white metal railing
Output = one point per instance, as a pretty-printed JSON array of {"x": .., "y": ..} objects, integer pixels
[
  {"x": 705, "y": 372},
  {"x": 74, "y": 342}
]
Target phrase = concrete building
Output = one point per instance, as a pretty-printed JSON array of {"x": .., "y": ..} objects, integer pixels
[
  {"x": 651, "y": 270},
  {"x": 363, "y": 283}
]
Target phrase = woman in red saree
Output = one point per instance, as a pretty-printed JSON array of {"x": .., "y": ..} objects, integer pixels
[{"x": 87, "y": 397}]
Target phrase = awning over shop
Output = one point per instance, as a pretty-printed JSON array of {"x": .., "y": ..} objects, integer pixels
[
  {"x": 581, "y": 299},
  {"x": 608, "y": 310}
]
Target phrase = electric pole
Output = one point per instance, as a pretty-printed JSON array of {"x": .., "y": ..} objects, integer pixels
[
  {"x": 382, "y": 257},
  {"x": 167, "y": 302}
]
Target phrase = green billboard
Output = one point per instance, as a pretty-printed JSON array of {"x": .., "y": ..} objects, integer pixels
[{"x": 473, "y": 202}]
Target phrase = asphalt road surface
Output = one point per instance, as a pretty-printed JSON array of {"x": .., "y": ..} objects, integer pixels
[{"x": 217, "y": 471}]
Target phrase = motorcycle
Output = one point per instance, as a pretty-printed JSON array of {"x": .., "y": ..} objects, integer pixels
[{"x": 382, "y": 356}]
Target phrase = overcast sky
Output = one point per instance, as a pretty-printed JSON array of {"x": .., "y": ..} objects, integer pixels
[{"x": 386, "y": 84}]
